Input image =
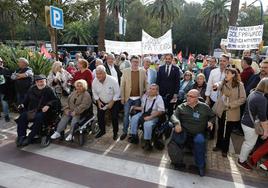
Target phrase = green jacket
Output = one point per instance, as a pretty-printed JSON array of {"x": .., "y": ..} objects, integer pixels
[{"x": 193, "y": 120}]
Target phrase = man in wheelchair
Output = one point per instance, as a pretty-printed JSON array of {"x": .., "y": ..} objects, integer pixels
[
  {"x": 191, "y": 120},
  {"x": 39, "y": 100},
  {"x": 152, "y": 108}
]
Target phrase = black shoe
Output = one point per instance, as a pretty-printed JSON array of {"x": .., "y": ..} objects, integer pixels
[
  {"x": 201, "y": 172},
  {"x": 115, "y": 136},
  {"x": 7, "y": 119},
  {"x": 133, "y": 139},
  {"x": 179, "y": 166},
  {"x": 19, "y": 141},
  {"x": 25, "y": 142},
  {"x": 123, "y": 136},
  {"x": 148, "y": 146},
  {"x": 100, "y": 134},
  {"x": 224, "y": 154},
  {"x": 216, "y": 149}
]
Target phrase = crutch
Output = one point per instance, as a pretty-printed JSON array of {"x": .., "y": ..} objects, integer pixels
[{"x": 225, "y": 123}]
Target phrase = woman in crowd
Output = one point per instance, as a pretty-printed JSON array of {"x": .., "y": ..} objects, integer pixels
[
  {"x": 231, "y": 96},
  {"x": 255, "y": 110},
  {"x": 83, "y": 73},
  {"x": 200, "y": 85},
  {"x": 58, "y": 80},
  {"x": 185, "y": 86},
  {"x": 78, "y": 101},
  {"x": 71, "y": 69}
]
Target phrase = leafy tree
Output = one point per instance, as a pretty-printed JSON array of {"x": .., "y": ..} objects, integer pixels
[
  {"x": 76, "y": 32},
  {"x": 165, "y": 10},
  {"x": 102, "y": 24},
  {"x": 215, "y": 18}
]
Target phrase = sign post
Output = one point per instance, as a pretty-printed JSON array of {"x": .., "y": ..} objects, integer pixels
[{"x": 56, "y": 22}]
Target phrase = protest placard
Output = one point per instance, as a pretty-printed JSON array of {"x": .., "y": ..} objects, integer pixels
[
  {"x": 161, "y": 45},
  {"x": 240, "y": 38},
  {"x": 117, "y": 47}
]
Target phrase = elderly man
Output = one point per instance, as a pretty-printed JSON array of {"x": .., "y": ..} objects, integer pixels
[
  {"x": 133, "y": 86},
  {"x": 39, "y": 99},
  {"x": 256, "y": 78},
  {"x": 112, "y": 69},
  {"x": 150, "y": 73},
  {"x": 191, "y": 120},
  {"x": 106, "y": 92},
  {"x": 152, "y": 107},
  {"x": 23, "y": 79}
]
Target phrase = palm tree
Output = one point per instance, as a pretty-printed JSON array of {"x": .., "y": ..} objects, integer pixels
[
  {"x": 234, "y": 12},
  {"x": 165, "y": 11},
  {"x": 76, "y": 32},
  {"x": 215, "y": 15},
  {"x": 102, "y": 25}
]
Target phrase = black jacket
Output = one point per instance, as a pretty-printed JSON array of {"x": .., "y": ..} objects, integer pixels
[
  {"x": 6, "y": 74},
  {"x": 37, "y": 99},
  {"x": 119, "y": 73}
]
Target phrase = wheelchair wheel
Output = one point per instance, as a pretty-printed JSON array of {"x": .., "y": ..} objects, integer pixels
[
  {"x": 45, "y": 141},
  {"x": 81, "y": 139},
  {"x": 95, "y": 127}
]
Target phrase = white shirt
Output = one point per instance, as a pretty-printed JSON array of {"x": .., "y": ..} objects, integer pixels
[
  {"x": 159, "y": 105},
  {"x": 106, "y": 91},
  {"x": 215, "y": 76},
  {"x": 113, "y": 72}
]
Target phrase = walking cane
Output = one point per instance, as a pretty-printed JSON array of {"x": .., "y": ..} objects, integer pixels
[{"x": 225, "y": 123}]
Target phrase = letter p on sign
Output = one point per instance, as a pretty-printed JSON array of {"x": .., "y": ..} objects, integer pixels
[{"x": 56, "y": 17}]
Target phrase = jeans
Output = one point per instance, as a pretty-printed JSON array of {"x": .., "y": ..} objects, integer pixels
[
  {"x": 147, "y": 126},
  {"x": 22, "y": 124},
  {"x": 4, "y": 105},
  {"x": 127, "y": 107},
  {"x": 250, "y": 140},
  {"x": 199, "y": 147}
]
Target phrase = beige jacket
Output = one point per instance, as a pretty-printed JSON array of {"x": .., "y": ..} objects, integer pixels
[
  {"x": 230, "y": 99},
  {"x": 126, "y": 83},
  {"x": 77, "y": 102}
]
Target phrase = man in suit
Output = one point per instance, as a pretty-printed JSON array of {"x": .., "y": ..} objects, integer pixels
[
  {"x": 168, "y": 79},
  {"x": 150, "y": 73},
  {"x": 133, "y": 86},
  {"x": 112, "y": 69}
]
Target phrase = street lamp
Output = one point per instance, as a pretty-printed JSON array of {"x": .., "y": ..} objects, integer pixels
[
  {"x": 261, "y": 20},
  {"x": 35, "y": 30}
]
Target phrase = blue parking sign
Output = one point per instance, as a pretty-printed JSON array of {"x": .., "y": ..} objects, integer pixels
[{"x": 56, "y": 17}]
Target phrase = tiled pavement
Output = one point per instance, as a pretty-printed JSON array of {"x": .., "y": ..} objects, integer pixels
[{"x": 217, "y": 166}]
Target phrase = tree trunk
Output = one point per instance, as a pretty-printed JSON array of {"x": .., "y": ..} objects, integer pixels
[
  {"x": 234, "y": 12},
  {"x": 102, "y": 25}
]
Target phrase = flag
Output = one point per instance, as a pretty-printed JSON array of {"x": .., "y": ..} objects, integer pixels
[
  {"x": 122, "y": 25},
  {"x": 190, "y": 58},
  {"x": 180, "y": 56},
  {"x": 44, "y": 51}
]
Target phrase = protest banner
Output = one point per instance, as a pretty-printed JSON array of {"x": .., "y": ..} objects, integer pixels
[
  {"x": 161, "y": 45},
  {"x": 117, "y": 47},
  {"x": 240, "y": 38}
]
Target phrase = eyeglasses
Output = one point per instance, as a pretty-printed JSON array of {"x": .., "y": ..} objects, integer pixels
[
  {"x": 264, "y": 67},
  {"x": 191, "y": 96},
  {"x": 187, "y": 75}
]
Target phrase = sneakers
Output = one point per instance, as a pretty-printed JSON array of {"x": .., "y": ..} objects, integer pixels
[
  {"x": 244, "y": 165},
  {"x": 69, "y": 137},
  {"x": 263, "y": 167},
  {"x": 216, "y": 149},
  {"x": 55, "y": 135}
]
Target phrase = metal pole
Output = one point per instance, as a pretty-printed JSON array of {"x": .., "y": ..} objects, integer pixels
[
  {"x": 56, "y": 44},
  {"x": 123, "y": 16},
  {"x": 261, "y": 21}
]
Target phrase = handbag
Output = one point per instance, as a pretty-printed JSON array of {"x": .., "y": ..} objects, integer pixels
[
  {"x": 257, "y": 124},
  {"x": 31, "y": 113}
]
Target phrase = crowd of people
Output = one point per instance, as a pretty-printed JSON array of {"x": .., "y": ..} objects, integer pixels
[{"x": 194, "y": 99}]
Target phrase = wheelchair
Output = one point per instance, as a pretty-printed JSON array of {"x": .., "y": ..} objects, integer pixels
[{"x": 87, "y": 125}]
